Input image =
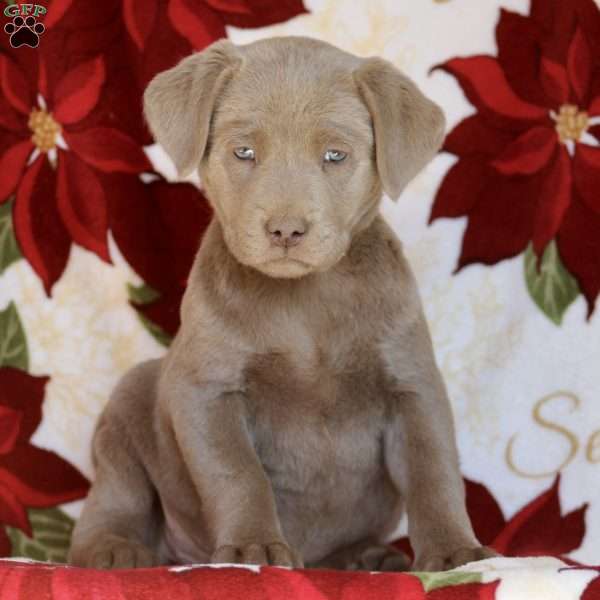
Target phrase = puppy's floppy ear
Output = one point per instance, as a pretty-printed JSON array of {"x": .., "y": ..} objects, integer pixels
[
  {"x": 408, "y": 127},
  {"x": 178, "y": 103}
]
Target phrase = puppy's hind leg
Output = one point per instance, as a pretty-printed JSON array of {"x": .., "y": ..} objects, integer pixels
[{"x": 120, "y": 520}]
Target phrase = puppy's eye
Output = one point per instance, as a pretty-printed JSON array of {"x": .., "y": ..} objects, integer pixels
[
  {"x": 244, "y": 153},
  {"x": 334, "y": 156}
]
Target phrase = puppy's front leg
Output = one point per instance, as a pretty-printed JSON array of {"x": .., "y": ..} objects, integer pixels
[
  {"x": 236, "y": 495},
  {"x": 422, "y": 459}
]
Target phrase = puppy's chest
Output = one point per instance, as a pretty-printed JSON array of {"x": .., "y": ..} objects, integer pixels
[{"x": 315, "y": 419}]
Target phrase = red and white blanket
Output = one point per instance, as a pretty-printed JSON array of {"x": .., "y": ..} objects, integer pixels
[
  {"x": 498, "y": 579},
  {"x": 502, "y": 231}
]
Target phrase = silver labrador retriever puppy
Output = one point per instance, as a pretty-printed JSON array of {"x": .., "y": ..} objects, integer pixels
[{"x": 299, "y": 410}]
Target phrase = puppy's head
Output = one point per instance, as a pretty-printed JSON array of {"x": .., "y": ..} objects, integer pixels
[{"x": 294, "y": 140}]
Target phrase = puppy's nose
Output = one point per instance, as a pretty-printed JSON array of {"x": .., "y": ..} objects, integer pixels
[{"x": 286, "y": 231}]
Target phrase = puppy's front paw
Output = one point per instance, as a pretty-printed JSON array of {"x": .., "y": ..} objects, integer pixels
[
  {"x": 445, "y": 561},
  {"x": 274, "y": 553},
  {"x": 116, "y": 552}
]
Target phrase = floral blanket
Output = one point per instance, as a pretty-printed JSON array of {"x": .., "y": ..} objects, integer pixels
[
  {"x": 502, "y": 231},
  {"x": 497, "y": 579}
]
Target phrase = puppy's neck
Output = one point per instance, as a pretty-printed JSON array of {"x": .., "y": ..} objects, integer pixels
[{"x": 219, "y": 287}]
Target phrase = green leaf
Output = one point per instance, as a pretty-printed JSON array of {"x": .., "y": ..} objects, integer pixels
[
  {"x": 9, "y": 250},
  {"x": 52, "y": 530},
  {"x": 159, "y": 334},
  {"x": 431, "y": 581},
  {"x": 144, "y": 294},
  {"x": 13, "y": 344},
  {"x": 552, "y": 287}
]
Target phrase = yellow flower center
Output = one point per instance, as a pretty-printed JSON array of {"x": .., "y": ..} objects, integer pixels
[
  {"x": 45, "y": 129},
  {"x": 571, "y": 122}
]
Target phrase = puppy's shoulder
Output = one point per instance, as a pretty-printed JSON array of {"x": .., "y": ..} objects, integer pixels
[
  {"x": 135, "y": 392},
  {"x": 377, "y": 251}
]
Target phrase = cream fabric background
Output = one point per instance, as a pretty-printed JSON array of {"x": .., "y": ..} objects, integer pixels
[{"x": 498, "y": 352}]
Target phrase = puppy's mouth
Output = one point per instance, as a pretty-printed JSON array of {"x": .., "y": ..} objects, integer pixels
[
  {"x": 285, "y": 267},
  {"x": 288, "y": 259},
  {"x": 285, "y": 256}
]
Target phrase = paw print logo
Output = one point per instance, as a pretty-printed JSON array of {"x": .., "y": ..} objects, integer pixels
[{"x": 24, "y": 32}]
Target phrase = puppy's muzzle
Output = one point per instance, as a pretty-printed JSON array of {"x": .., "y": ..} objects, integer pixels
[{"x": 286, "y": 231}]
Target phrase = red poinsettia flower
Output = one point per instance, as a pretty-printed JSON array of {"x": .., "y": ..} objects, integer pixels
[
  {"x": 29, "y": 476},
  {"x": 139, "y": 39},
  {"x": 51, "y": 162},
  {"x": 529, "y": 161},
  {"x": 158, "y": 227},
  {"x": 194, "y": 19},
  {"x": 538, "y": 529},
  {"x": 202, "y": 22},
  {"x": 65, "y": 127}
]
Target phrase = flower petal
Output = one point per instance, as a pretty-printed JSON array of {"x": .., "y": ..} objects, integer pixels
[
  {"x": 579, "y": 65},
  {"x": 518, "y": 38},
  {"x": 157, "y": 226},
  {"x": 55, "y": 12},
  {"x": 23, "y": 393},
  {"x": 594, "y": 108},
  {"x": 82, "y": 205},
  {"x": 586, "y": 171},
  {"x": 5, "y": 550},
  {"x": 43, "y": 78},
  {"x": 40, "y": 478},
  {"x": 528, "y": 153},
  {"x": 474, "y": 136},
  {"x": 485, "y": 85},
  {"x": 15, "y": 87},
  {"x": 109, "y": 150},
  {"x": 460, "y": 188},
  {"x": 588, "y": 12},
  {"x": 12, "y": 512},
  {"x": 557, "y": 21},
  {"x": 485, "y": 513},
  {"x": 501, "y": 221},
  {"x": 11, "y": 119},
  {"x": 256, "y": 13},
  {"x": 239, "y": 7},
  {"x": 196, "y": 22},
  {"x": 579, "y": 247},
  {"x": 10, "y": 425},
  {"x": 540, "y": 529},
  {"x": 595, "y": 131},
  {"x": 592, "y": 590},
  {"x": 554, "y": 80},
  {"x": 553, "y": 201},
  {"x": 139, "y": 17},
  {"x": 38, "y": 225},
  {"x": 78, "y": 91},
  {"x": 12, "y": 164}
]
